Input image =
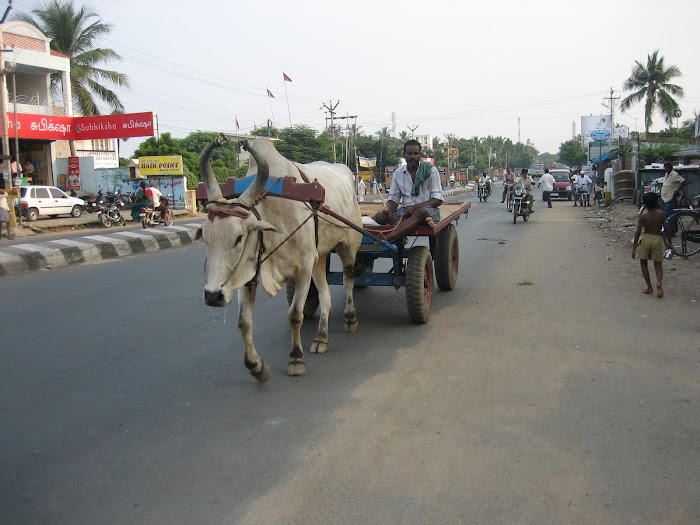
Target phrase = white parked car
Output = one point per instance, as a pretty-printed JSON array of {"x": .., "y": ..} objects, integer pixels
[{"x": 36, "y": 201}]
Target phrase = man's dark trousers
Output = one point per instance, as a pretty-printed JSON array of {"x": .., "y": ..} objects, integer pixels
[
  {"x": 548, "y": 197},
  {"x": 667, "y": 208}
]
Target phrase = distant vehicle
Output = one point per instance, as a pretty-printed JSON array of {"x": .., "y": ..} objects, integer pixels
[
  {"x": 536, "y": 170},
  {"x": 36, "y": 201},
  {"x": 562, "y": 184}
]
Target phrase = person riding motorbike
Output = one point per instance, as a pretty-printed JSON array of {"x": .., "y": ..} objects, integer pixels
[
  {"x": 160, "y": 201},
  {"x": 141, "y": 199},
  {"x": 487, "y": 180},
  {"x": 528, "y": 184},
  {"x": 508, "y": 179},
  {"x": 582, "y": 180}
]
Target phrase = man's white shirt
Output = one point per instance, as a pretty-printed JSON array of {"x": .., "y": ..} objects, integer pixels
[
  {"x": 402, "y": 184},
  {"x": 155, "y": 195},
  {"x": 547, "y": 180}
]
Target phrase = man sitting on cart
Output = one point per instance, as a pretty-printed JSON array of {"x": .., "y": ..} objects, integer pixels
[{"x": 416, "y": 185}]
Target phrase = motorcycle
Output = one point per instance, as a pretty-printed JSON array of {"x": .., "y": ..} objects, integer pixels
[
  {"x": 583, "y": 196},
  {"x": 520, "y": 203},
  {"x": 90, "y": 203},
  {"x": 483, "y": 189},
  {"x": 111, "y": 214},
  {"x": 509, "y": 199},
  {"x": 151, "y": 218}
]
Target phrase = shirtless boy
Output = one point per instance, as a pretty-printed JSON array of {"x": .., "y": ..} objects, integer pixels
[{"x": 652, "y": 247}]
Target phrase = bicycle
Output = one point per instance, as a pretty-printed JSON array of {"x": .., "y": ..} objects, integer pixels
[{"x": 688, "y": 222}]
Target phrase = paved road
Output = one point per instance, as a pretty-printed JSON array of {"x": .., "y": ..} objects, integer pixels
[{"x": 123, "y": 399}]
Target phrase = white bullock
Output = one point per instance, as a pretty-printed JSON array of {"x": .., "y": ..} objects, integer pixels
[{"x": 249, "y": 242}]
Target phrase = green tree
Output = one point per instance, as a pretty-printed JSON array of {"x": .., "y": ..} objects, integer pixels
[
  {"x": 658, "y": 153},
  {"x": 548, "y": 159},
  {"x": 73, "y": 32},
  {"x": 651, "y": 83},
  {"x": 572, "y": 153},
  {"x": 167, "y": 145}
]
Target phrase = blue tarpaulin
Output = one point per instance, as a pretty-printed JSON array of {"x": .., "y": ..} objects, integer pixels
[{"x": 610, "y": 155}]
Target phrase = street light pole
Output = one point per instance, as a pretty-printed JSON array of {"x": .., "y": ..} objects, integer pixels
[{"x": 5, "y": 123}]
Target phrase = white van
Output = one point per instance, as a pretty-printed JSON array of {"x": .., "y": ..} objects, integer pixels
[{"x": 36, "y": 201}]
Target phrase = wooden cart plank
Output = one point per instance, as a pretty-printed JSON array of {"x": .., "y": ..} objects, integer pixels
[{"x": 449, "y": 211}]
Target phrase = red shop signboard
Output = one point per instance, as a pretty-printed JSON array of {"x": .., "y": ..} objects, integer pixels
[{"x": 46, "y": 127}]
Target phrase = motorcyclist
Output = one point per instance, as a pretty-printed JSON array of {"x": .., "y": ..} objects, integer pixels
[
  {"x": 141, "y": 199},
  {"x": 582, "y": 180},
  {"x": 508, "y": 179},
  {"x": 487, "y": 180},
  {"x": 452, "y": 179},
  {"x": 160, "y": 201},
  {"x": 528, "y": 184}
]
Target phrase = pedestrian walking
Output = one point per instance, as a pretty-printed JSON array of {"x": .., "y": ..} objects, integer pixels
[
  {"x": 361, "y": 188},
  {"x": 547, "y": 182},
  {"x": 651, "y": 245},
  {"x": 4, "y": 214}
]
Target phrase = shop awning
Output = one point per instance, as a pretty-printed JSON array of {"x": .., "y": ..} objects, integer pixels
[{"x": 610, "y": 155}]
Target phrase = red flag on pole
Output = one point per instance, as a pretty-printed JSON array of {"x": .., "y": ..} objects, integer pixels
[
  {"x": 286, "y": 78},
  {"x": 237, "y": 126},
  {"x": 269, "y": 94}
]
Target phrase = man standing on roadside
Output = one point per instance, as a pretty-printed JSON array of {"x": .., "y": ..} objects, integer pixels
[
  {"x": 548, "y": 182},
  {"x": 4, "y": 214},
  {"x": 673, "y": 183}
]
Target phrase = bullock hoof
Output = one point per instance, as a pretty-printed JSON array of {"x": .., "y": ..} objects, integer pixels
[
  {"x": 351, "y": 325},
  {"x": 264, "y": 375},
  {"x": 319, "y": 347},
  {"x": 296, "y": 368}
]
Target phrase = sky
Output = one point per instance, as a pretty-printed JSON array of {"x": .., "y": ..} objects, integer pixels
[{"x": 520, "y": 70}]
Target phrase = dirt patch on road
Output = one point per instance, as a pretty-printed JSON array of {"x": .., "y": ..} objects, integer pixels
[{"x": 617, "y": 225}]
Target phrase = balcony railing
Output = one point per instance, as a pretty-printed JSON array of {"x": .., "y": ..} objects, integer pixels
[
  {"x": 99, "y": 155},
  {"x": 34, "y": 106}
]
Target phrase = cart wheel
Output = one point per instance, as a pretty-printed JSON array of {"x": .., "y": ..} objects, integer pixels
[
  {"x": 312, "y": 301},
  {"x": 447, "y": 258},
  {"x": 419, "y": 284}
]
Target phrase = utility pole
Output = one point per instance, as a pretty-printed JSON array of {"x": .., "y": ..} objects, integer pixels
[
  {"x": 412, "y": 129},
  {"x": 612, "y": 123},
  {"x": 331, "y": 110},
  {"x": 3, "y": 107},
  {"x": 346, "y": 117},
  {"x": 518, "y": 129}
]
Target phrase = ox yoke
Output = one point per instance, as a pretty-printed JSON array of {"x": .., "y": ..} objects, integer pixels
[{"x": 285, "y": 187}]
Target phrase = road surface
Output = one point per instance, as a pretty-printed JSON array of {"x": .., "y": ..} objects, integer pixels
[{"x": 545, "y": 389}]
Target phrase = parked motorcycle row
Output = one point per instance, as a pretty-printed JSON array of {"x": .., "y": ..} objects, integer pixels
[{"x": 109, "y": 209}]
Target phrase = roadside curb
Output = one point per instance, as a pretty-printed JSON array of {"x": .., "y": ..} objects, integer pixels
[
  {"x": 55, "y": 253},
  {"x": 100, "y": 244}
]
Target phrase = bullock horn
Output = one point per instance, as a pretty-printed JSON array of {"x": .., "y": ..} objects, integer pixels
[
  {"x": 205, "y": 171},
  {"x": 258, "y": 184}
]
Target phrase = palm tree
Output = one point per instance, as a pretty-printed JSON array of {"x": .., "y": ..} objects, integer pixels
[
  {"x": 74, "y": 33},
  {"x": 651, "y": 82},
  {"x": 383, "y": 134}
]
